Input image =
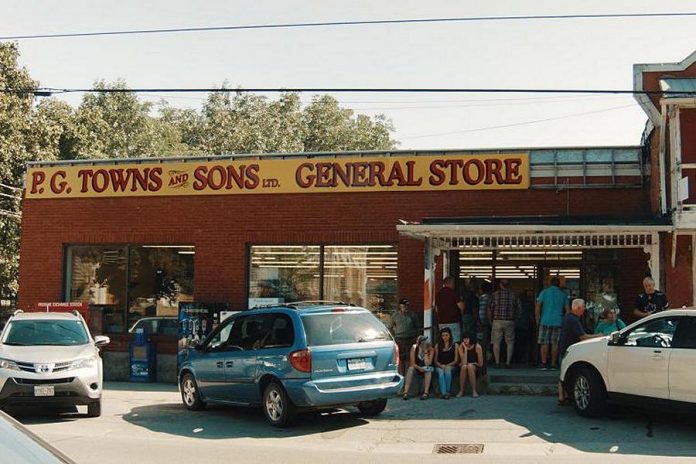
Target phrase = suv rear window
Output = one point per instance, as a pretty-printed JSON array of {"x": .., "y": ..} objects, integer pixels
[
  {"x": 46, "y": 332},
  {"x": 343, "y": 327}
]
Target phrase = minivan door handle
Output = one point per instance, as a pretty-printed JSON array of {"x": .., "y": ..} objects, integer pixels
[
  {"x": 229, "y": 364},
  {"x": 219, "y": 364}
]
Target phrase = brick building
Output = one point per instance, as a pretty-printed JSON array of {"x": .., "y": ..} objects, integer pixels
[{"x": 136, "y": 238}]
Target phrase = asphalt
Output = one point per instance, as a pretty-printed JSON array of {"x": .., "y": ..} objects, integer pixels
[{"x": 148, "y": 424}]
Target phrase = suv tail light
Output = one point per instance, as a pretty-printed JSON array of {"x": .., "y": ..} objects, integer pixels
[
  {"x": 301, "y": 360},
  {"x": 397, "y": 358}
]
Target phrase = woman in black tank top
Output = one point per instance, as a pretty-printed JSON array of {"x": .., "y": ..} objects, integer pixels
[
  {"x": 446, "y": 358},
  {"x": 471, "y": 355}
]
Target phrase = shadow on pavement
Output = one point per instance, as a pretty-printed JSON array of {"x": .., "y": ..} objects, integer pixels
[
  {"x": 32, "y": 415},
  {"x": 621, "y": 431},
  {"x": 222, "y": 422}
]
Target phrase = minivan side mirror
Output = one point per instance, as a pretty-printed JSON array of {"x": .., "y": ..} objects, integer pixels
[{"x": 101, "y": 340}]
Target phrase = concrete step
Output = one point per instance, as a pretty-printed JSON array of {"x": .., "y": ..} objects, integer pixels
[
  {"x": 523, "y": 376},
  {"x": 529, "y": 379},
  {"x": 521, "y": 389}
]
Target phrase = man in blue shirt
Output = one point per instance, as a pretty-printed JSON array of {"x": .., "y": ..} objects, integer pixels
[{"x": 551, "y": 304}]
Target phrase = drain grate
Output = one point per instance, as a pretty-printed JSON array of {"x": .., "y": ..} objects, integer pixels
[{"x": 458, "y": 448}]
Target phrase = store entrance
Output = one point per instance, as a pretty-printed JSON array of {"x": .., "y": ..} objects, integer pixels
[{"x": 530, "y": 271}]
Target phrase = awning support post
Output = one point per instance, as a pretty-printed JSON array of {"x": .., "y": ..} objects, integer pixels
[
  {"x": 654, "y": 262},
  {"x": 428, "y": 286}
]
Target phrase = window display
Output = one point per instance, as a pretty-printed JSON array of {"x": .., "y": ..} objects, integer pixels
[
  {"x": 159, "y": 278},
  {"x": 128, "y": 282},
  {"x": 364, "y": 275},
  {"x": 361, "y": 275},
  {"x": 283, "y": 274},
  {"x": 98, "y": 274}
]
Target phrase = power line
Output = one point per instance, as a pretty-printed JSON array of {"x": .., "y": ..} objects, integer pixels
[
  {"x": 48, "y": 91},
  {"x": 10, "y": 196},
  {"x": 446, "y": 105},
  {"x": 522, "y": 123},
  {"x": 4, "y": 212},
  {"x": 350, "y": 23},
  {"x": 448, "y": 102},
  {"x": 16, "y": 189}
]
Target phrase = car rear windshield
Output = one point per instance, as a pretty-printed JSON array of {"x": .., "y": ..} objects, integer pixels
[
  {"x": 343, "y": 327},
  {"x": 45, "y": 332}
]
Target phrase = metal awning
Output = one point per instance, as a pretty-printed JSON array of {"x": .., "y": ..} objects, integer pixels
[{"x": 496, "y": 236}]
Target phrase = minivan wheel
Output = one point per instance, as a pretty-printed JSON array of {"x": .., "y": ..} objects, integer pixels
[
  {"x": 372, "y": 408},
  {"x": 277, "y": 407},
  {"x": 94, "y": 409},
  {"x": 190, "y": 394},
  {"x": 588, "y": 392}
]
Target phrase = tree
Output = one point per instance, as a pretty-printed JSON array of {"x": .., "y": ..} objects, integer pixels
[
  {"x": 331, "y": 128},
  {"x": 26, "y": 134},
  {"x": 233, "y": 122},
  {"x": 116, "y": 125}
]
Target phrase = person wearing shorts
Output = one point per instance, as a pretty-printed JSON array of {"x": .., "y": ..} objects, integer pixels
[
  {"x": 503, "y": 309},
  {"x": 551, "y": 305}
]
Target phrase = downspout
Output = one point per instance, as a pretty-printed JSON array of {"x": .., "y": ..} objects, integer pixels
[{"x": 661, "y": 160}]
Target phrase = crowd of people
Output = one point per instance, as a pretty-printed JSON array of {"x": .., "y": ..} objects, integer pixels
[{"x": 473, "y": 325}]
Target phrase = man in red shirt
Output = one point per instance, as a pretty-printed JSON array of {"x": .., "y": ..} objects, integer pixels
[{"x": 448, "y": 309}]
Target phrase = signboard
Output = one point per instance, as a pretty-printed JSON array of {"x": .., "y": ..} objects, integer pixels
[
  {"x": 65, "y": 307},
  {"x": 297, "y": 175}
]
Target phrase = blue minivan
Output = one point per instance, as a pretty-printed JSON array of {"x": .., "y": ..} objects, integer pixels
[{"x": 292, "y": 358}]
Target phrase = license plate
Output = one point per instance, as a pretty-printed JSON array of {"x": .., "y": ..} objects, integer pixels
[
  {"x": 44, "y": 390},
  {"x": 358, "y": 364}
]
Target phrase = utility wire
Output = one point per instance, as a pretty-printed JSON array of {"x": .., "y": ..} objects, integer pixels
[
  {"x": 4, "y": 212},
  {"x": 48, "y": 91},
  {"x": 350, "y": 23},
  {"x": 14, "y": 197},
  {"x": 522, "y": 123},
  {"x": 16, "y": 189}
]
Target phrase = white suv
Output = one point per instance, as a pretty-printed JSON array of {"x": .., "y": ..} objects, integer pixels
[
  {"x": 649, "y": 363},
  {"x": 50, "y": 358}
]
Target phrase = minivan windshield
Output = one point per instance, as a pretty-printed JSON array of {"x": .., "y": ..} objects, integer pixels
[
  {"x": 46, "y": 332},
  {"x": 343, "y": 327}
]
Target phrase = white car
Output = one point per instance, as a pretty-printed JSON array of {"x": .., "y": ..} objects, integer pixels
[
  {"x": 649, "y": 363},
  {"x": 50, "y": 358}
]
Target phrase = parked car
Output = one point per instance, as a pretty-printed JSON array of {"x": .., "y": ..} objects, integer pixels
[
  {"x": 159, "y": 325},
  {"x": 649, "y": 363},
  {"x": 50, "y": 358},
  {"x": 294, "y": 358},
  {"x": 20, "y": 446}
]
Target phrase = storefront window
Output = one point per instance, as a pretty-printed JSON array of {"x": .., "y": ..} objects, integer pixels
[
  {"x": 364, "y": 275},
  {"x": 283, "y": 274},
  {"x": 361, "y": 275},
  {"x": 160, "y": 277},
  {"x": 125, "y": 283},
  {"x": 98, "y": 275}
]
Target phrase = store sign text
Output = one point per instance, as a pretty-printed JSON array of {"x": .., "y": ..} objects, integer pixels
[{"x": 318, "y": 175}]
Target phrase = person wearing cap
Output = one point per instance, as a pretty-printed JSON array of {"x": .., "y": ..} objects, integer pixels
[{"x": 405, "y": 326}]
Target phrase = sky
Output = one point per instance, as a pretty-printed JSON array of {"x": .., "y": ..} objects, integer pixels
[{"x": 583, "y": 53}]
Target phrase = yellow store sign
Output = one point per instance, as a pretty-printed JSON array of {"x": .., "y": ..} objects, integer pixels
[{"x": 296, "y": 175}]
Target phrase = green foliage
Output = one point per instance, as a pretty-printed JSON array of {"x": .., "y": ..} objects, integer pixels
[
  {"x": 232, "y": 122},
  {"x": 25, "y": 135},
  {"x": 119, "y": 125}
]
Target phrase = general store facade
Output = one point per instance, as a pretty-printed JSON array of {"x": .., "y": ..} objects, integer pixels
[{"x": 136, "y": 238}]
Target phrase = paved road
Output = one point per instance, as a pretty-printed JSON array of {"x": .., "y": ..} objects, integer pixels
[{"x": 147, "y": 424}]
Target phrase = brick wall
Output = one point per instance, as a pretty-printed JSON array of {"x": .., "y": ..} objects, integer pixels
[{"x": 221, "y": 227}]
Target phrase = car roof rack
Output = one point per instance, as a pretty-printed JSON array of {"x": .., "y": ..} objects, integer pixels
[
  {"x": 19, "y": 311},
  {"x": 302, "y": 304}
]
